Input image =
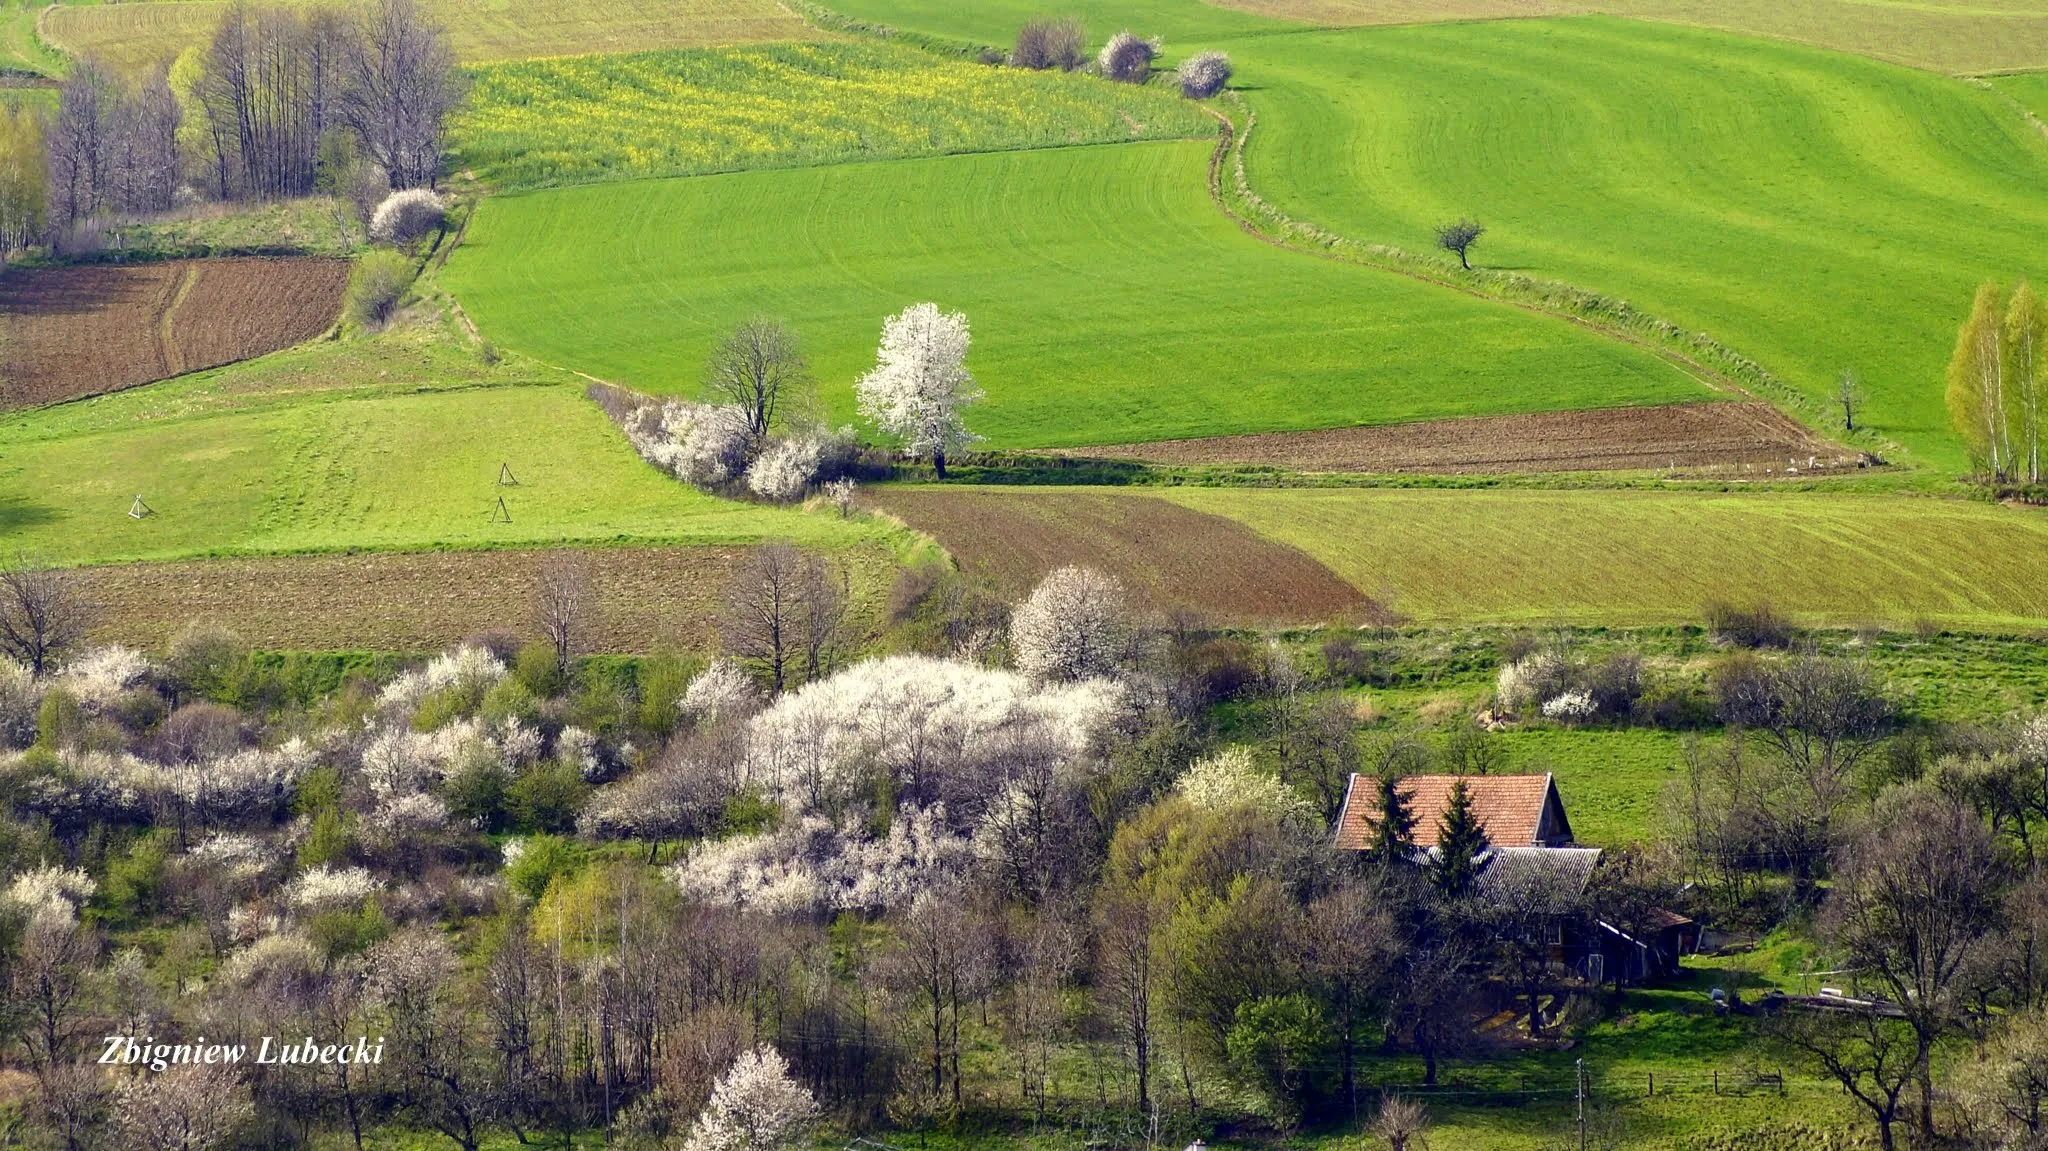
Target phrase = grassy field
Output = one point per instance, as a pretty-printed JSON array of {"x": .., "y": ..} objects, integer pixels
[
  {"x": 1110, "y": 300},
  {"x": 1815, "y": 211},
  {"x": 578, "y": 119},
  {"x": 1650, "y": 557},
  {"x": 134, "y": 37},
  {"x": 360, "y": 445},
  {"x": 1941, "y": 35}
]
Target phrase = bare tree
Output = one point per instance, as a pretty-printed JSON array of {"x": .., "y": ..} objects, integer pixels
[
  {"x": 45, "y": 983},
  {"x": 195, "y": 1107},
  {"x": 433, "y": 1055},
  {"x": 1848, "y": 395},
  {"x": 1401, "y": 1123},
  {"x": 1872, "y": 1056},
  {"x": 824, "y": 591},
  {"x": 758, "y": 368},
  {"x": 765, "y": 612},
  {"x": 43, "y": 616},
  {"x": 402, "y": 85},
  {"x": 937, "y": 962},
  {"x": 1127, "y": 976},
  {"x": 1459, "y": 236},
  {"x": 1349, "y": 952},
  {"x": 1044, "y": 44},
  {"x": 1912, "y": 907},
  {"x": 562, "y": 604}
]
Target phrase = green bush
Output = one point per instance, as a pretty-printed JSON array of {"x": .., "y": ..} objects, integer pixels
[
  {"x": 444, "y": 706},
  {"x": 536, "y": 671},
  {"x": 546, "y": 797},
  {"x": 344, "y": 932},
  {"x": 327, "y": 840},
  {"x": 509, "y": 698},
  {"x": 375, "y": 285},
  {"x": 135, "y": 881},
  {"x": 1278, "y": 1046},
  {"x": 59, "y": 720},
  {"x": 542, "y": 858},
  {"x": 475, "y": 792},
  {"x": 663, "y": 680}
]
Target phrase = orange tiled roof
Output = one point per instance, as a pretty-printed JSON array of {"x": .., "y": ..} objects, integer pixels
[{"x": 1509, "y": 807}]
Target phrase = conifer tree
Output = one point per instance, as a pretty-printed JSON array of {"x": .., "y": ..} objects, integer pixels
[
  {"x": 1460, "y": 839},
  {"x": 1393, "y": 837}
]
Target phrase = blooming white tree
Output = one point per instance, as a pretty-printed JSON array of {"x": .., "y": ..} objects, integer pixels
[
  {"x": 1073, "y": 626},
  {"x": 721, "y": 691},
  {"x": 755, "y": 1106},
  {"x": 1127, "y": 59},
  {"x": 1204, "y": 74},
  {"x": 405, "y": 216},
  {"x": 784, "y": 472},
  {"x": 1232, "y": 778},
  {"x": 920, "y": 382}
]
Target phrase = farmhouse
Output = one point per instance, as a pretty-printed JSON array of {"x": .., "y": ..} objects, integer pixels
[{"x": 1515, "y": 810}]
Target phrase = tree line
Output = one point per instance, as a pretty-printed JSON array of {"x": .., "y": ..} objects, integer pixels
[{"x": 1998, "y": 384}]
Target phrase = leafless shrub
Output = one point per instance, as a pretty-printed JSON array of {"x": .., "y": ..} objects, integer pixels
[
  {"x": 43, "y": 614},
  {"x": 1047, "y": 44},
  {"x": 1127, "y": 59}
]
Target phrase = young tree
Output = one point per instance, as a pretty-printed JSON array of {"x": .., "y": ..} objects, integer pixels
[
  {"x": 1393, "y": 834},
  {"x": 24, "y": 179},
  {"x": 186, "y": 1108},
  {"x": 1848, "y": 395},
  {"x": 402, "y": 84},
  {"x": 763, "y": 610},
  {"x": 1074, "y": 625},
  {"x": 756, "y": 1106},
  {"x": 43, "y": 615},
  {"x": 758, "y": 368},
  {"x": 1459, "y": 236},
  {"x": 1044, "y": 44},
  {"x": 920, "y": 382},
  {"x": 1976, "y": 385},
  {"x": 1871, "y": 1055},
  {"x": 2026, "y": 379},
  {"x": 1401, "y": 1123},
  {"x": 562, "y": 604},
  {"x": 1460, "y": 839}
]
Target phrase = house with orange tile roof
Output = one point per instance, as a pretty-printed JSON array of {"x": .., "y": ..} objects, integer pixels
[{"x": 1515, "y": 810}]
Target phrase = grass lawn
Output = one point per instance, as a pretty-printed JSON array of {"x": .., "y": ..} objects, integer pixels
[
  {"x": 133, "y": 37},
  {"x": 1611, "y": 557},
  {"x": 1110, "y": 300},
  {"x": 1814, "y": 211},
  {"x": 686, "y": 112},
  {"x": 386, "y": 444}
]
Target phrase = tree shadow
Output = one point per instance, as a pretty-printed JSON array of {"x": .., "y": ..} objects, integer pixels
[{"x": 18, "y": 514}]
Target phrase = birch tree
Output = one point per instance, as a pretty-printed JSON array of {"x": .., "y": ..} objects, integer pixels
[
  {"x": 1976, "y": 386},
  {"x": 920, "y": 382},
  {"x": 2026, "y": 378}
]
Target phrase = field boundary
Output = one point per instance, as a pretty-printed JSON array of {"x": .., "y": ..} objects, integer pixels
[{"x": 1714, "y": 364}]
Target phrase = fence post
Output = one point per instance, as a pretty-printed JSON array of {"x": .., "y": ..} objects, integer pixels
[
  {"x": 1717, "y": 1080},
  {"x": 1653, "y": 1082}
]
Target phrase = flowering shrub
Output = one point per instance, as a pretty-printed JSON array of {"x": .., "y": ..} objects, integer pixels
[
  {"x": 1074, "y": 625},
  {"x": 785, "y": 471},
  {"x": 936, "y": 725},
  {"x": 1204, "y": 74},
  {"x": 51, "y": 891},
  {"x": 722, "y": 689},
  {"x": 326, "y": 887},
  {"x": 1127, "y": 59},
  {"x": 755, "y": 1106},
  {"x": 405, "y": 216},
  {"x": 471, "y": 668},
  {"x": 2032, "y": 745},
  {"x": 99, "y": 676},
  {"x": 20, "y": 696},
  {"x": 1231, "y": 778},
  {"x": 814, "y": 865},
  {"x": 1570, "y": 707}
]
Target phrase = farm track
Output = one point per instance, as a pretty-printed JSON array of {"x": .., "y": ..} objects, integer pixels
[
  {"x": 1169, "y": 556},
  {"x": 649, "y": 598},
  {"x": 79, "y": 331},
  {"x": 1711, "y": 437}
]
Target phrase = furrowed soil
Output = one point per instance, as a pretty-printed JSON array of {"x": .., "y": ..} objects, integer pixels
[
  {"x": 1698, "y": 437},
  {"x": 648, "y": 599},
  {"x": 80, "y": 331},
  {"x": 1169, "y": 556}
]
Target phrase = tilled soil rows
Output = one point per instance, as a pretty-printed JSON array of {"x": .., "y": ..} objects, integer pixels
[
  {"x": 80, "y": 331},
  {"x": 1718, "y": 437},
  {"x": 1170, "y": 556},
  {"x": 648, "y": 598}
]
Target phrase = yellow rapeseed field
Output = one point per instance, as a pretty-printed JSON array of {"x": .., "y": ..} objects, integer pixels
[{"x": 579, "y": 119}]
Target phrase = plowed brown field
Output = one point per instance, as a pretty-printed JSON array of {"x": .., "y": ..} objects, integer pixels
[
  {"x": 79, "y": 331},
  {"x": 1170, "y": 556},
  {"x": 1705, "y": 437},
  {"x": 648, "y": 599}
]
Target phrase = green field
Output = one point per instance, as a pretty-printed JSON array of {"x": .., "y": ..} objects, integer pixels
[
  {"x": 1816, "y": 212},
  {"x": 1110, "y": 300},
  {"x": 135, "y": 37},
  {"x": 1649, "y": 557},
  {"x": 585, "y": 118},
  {"x": 374, "y": 445}
]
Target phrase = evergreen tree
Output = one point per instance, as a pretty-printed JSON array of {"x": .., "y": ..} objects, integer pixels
[
  {"x": 1460, "y": 838},
  {"x": 1393, "y": 837}
]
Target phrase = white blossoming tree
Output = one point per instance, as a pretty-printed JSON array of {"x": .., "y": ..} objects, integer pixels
[
  {"x": 1073, "y": 626},
  {"x": 920, "y": 382},
  {"x": 756, "y": 1106}
]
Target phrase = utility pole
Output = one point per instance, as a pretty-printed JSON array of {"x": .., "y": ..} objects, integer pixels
[{"x": 1581, "y": 1065}]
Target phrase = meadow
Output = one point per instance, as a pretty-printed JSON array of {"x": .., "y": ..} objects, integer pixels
[
  {"x": 578, "y": 119},
  {"x": 320, "y": 449},
  {"x": 1110, "y": 300},
  {"x": 1615, "y": 557},
  {"x": 1815, "y": 211},
  {"x": 135, "y": 37}
]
